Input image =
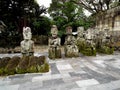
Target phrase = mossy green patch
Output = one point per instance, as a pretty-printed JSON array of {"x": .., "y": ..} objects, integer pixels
[
  {"x": 10, "y": 69},
  {"x": 26, "y": 64},
  {"x": 106, "y": 50},
  {"x": 32, "y": 67},
  {"x": 3, "y": 63},
  {"x": 89, "y": 52},
  {"x": 23, "y": 65}
]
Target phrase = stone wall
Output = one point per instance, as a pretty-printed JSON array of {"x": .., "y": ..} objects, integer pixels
[{"x": 109, "y": 18}]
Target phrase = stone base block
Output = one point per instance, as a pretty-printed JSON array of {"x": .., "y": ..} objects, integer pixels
[{"x": 54, "y": 53}]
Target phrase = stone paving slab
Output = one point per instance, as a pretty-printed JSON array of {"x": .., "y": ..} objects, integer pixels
[{"x": 82, "y": 73}]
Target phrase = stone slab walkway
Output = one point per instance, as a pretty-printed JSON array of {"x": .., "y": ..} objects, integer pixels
[{"x": 83, "y": 73}]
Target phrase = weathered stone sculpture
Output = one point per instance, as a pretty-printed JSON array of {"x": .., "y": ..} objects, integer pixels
[
  {"x": 90, "y": 49},
  {"x": 71, "y": 50},
  {"x": 80, "y": 39},
  {"x": 106, "y": 43},
  {"x": 54, "y": 44},
  {"x": 27, "y": 45}
]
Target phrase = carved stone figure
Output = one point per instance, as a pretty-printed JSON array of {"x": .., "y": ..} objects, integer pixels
[
  {"x": 80, "y": 38},
  {"x": 54, "y": 44},
  {"x": 71, "y": 50},
  {"x": 89, "y": 46},
  {"x": 27, "y": 45},
  {"x": 106, "y": 46},
  {"x": 27, "y": 33}
]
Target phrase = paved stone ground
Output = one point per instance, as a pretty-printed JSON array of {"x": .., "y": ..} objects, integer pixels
[{"x": 83, "y": 73}]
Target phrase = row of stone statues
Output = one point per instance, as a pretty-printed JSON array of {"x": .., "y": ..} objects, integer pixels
[{"x": 86, "y": 43}]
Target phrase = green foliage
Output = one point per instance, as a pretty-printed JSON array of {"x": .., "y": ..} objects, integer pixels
[
  {"x": 41, "y": 25},
  {"x": 68, "y": 14},
  {"x": 16, "y": 14}
]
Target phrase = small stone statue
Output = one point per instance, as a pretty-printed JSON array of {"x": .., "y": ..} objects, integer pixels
[
  {"x": 27, "y": 45},
  {"x": 71, "y": 50},
  {"x": 54, "y": 44}
]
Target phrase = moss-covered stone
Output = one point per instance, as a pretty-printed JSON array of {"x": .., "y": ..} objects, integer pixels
[
  {"x": 58, "y": 53},
  {"x": 71, "y": 51},
  {"x": 81, "y": 45},
  {"x": 105, "y": 50},
  {"x": 26, "y": 64},
  {"x": 86, "y": 49},
  {"x": 41, "y": 60},
  {"x": 32, "y": 67},
  {"x": 42, "y": 65},
  {"x": 89, "y": 52},
  {"x": 3, "y": 63},
  {"x": 23, "y": 65},
  {"x": 11, "y": 66},
  {"x": 54, "y": 53},
  {"x": 43, "y": 68},
  {"x": 51, "y": 53}
]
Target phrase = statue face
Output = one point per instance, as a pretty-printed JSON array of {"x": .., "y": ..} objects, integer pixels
[
  {"x": 69, "y": 30},
  {"x": 54, "y": 31},
  {"x": 80, "y": 31}
]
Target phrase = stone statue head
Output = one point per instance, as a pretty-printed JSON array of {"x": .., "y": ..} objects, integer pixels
[
  {"x": 80, "y": 31},
  {"x": 27, "y": 35},
  {"x": 69, "y": 30},
  {"x": 54, "y": 31}
]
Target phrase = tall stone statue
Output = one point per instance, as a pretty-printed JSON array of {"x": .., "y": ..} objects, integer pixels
[
  {"x": 80, "y": 39},
  {"x": 54, "y": 44},
  {"x": 71, "y": 50},
  {"x": 89, "y": 46},
  {"x": 27, "y": 45},
  {"x": 106, "y": 46}
]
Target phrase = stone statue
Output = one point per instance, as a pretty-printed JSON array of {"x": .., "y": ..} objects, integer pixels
[
  {"x": 80, "y": 38},
  {"x": 27, "y": 45},
  {"x": 104, "y": 41},
  {"x": 89, "y": 46},
  {"x": 71, "y": 50},
  {"x": 54, "y": 44}
]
